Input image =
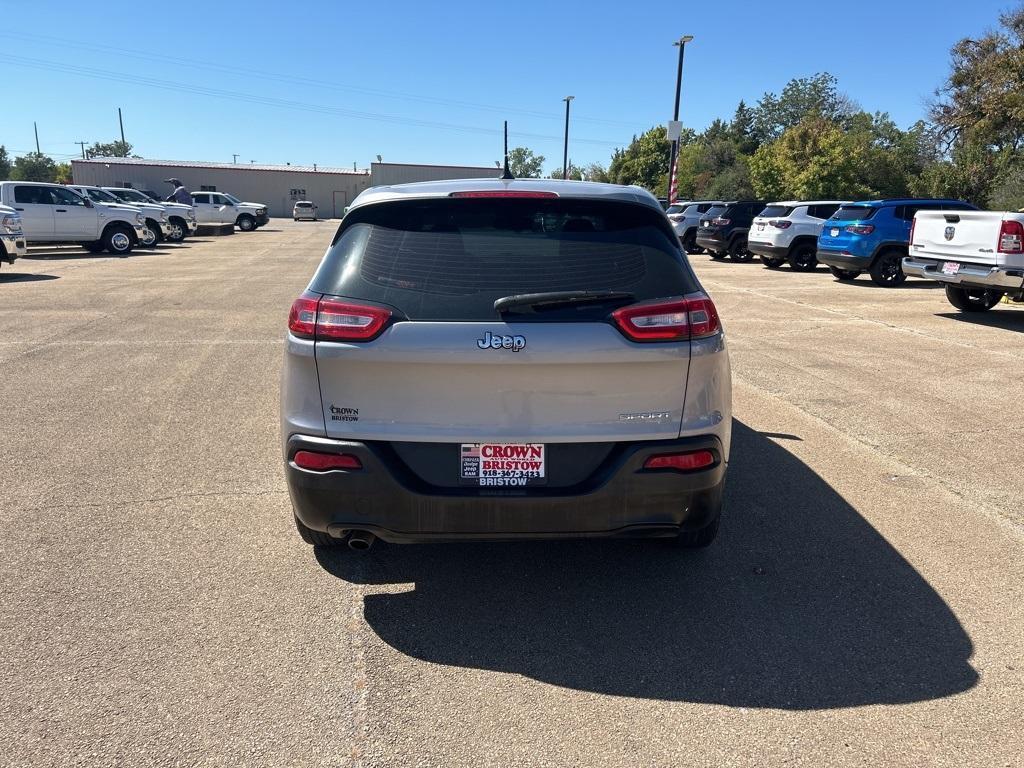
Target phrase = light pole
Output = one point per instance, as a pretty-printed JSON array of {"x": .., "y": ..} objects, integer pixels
[
  {"x": 681, "y": 42},
  {"x": 565, "y": 151}
]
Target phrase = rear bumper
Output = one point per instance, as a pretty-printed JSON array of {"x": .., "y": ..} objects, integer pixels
[
  {"x": 843, "y": 260},
  {"x": 713, "y": 242},
  {"x": 980, "y": 275},
  {"x": 768, "y": 249},
  {"x": 619, "y": 499}
]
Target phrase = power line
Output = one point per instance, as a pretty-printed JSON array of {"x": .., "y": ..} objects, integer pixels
[{"x": 92, "y": 72}]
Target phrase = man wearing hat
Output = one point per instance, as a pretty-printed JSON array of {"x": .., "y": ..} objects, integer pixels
[{"x": 180, "y": 194}]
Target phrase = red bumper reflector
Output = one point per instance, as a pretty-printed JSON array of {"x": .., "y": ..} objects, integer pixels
[
  {"x": 321, "y": 462},
  {"x": 681, "y": 461}
]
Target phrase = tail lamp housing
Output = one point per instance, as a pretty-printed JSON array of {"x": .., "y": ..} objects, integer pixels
[
  {"x": 781, "y": 224},
  {"x": 315, "y": 461},
  {"x": 325, "y": 319},
  {"x": 679, "y": 319},
  {"x": 860, "y": 229},
  {"x": 1011, "y": 237}
]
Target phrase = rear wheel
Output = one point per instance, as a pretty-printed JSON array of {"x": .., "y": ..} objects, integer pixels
[
  {"x": 772, "y": 262},
  {"x": 316, "y": 538},
  {"x": 844, "y": 274},
  {"x": 972, "y": 299},
  {"x": 117, "y": 239},
  {"x": 700, "y": 538},
  {"x": 803, "y": 258},
  {"x": 246, "y": 223},
  {"x": 887, "y": 271},
  {"x": 738, "y": 251},
  {"x": 690, "y": 243}
]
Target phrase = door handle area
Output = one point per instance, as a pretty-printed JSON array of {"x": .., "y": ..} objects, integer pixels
[
  {"x": 62, "y": 210},
  {"x": 19, "y": 209}
]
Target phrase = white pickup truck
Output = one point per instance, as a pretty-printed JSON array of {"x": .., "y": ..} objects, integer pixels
[
  {"x": 979, "y": 255},
  {"x": 222, "y": 208},
  {"x": 181, "y": 219},
  {"x": 52, "y": 213},
  {"x": 12, "y": 239}
]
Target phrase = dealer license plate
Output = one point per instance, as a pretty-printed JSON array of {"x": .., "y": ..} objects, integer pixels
[
  {"x": 503, "y": 465},
  {"x": 834, "y": 232},
  {"x": 950, "y": 267}
]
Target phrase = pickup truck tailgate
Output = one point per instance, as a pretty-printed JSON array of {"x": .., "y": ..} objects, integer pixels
[{"x": 965, "y": 236}]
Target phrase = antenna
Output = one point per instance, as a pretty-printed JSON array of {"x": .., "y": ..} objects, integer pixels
[{"x": 507, "y": 174}]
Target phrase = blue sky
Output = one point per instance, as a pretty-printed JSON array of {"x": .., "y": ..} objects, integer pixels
[{"x": 341, "y": 82}]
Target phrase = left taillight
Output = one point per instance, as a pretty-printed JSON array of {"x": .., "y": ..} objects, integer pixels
[
  {"x": 668, "y": 320},
  {"x": 325, "y": 319}
]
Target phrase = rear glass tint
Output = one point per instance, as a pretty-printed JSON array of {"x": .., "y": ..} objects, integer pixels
[
  {"x": 776, "y": 211},
  {"x": 450, "y": 259},
  {"x": 676, "y": 209},
  {"x": 854, "y": 213},
  {"x": 715, "y": 210}
]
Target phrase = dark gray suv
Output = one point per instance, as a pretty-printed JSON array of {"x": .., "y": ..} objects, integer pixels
[{"x": 491, "y": 359}]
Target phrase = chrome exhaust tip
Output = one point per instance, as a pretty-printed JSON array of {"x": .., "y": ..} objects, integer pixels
[{"x": 361, "y": 540}]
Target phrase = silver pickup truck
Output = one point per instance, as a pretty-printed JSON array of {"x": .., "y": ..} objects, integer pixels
[{"x": 978, "y": 255}]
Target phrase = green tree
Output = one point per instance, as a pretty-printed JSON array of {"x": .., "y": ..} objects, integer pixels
[
  {"x": 594, "y": 172},
  {"x": 644, "y": 162},
  {"x": 813, "y": 160},
  {"x": 524, "y": 164},
  {"x": 63, "y": 173},
  {"x": 5, "y": 163},
  {"x": 802, "y": 96},
  {"x": 115, "y": 148},
  {"x": 35, "y": 166},
  {"x": 575, "y": 173}
]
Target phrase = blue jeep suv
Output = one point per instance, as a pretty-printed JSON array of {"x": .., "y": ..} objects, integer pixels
[{"x": 874, "y": 236}]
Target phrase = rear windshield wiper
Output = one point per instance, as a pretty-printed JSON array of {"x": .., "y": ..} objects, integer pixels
[{"x": 554, "y": 299}]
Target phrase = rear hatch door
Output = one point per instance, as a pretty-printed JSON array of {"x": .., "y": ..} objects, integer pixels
[{"x": 451, "y": 368}]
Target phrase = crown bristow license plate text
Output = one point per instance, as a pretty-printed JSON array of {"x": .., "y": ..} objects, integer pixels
[{"x": 507, "y": 465}]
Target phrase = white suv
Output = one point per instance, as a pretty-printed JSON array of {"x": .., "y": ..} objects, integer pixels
[{"x": 788, "y": 232}]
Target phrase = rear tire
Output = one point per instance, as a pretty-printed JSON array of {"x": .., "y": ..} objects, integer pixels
[
  {"x": 844, "y": 274},
  {"x": 316, "y": 538},
  {"x": 118, "y": 240},
  {"x": 246, "y": 223},
  {"x": 771, "y": 262},
  {"x": 717, "y": 255},
  {"x": 738, "y": 251},
  {"x": 803, "y": 258},
  {"x": 887, "y": 271},
  {"x": 972, "y": 299},
  {"x": 700, "y": 538}
]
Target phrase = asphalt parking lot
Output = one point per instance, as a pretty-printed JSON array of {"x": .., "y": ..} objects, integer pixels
[{"x": 863, "y": 605}]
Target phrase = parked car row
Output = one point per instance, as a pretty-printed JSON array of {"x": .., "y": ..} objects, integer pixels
[
  {"x": 112, "y": 219},
  {"x": 979, "y": 256}
]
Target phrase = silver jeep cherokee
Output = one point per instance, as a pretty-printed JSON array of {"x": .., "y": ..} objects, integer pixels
[{"x": 491, "y": 359}]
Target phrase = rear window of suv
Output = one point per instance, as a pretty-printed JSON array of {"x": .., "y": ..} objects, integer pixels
[
  {"x": 854, "y": 213},
  {"x": 777, "y": 211},
  {"x": 451, "y": 259}
]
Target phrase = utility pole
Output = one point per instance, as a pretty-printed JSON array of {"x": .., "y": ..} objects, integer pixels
[
  {"x": 234, "y": 157},
  {"x": 121, "y": 123},
  {"x": 36, "y": 129},
  {"x": 82, "y": 145},
  {"x": 681, "y": 42},
  {"x": 565, "y": 151}
]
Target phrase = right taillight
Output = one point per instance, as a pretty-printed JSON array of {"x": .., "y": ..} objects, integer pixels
[
  {"x": 860, "y": 229},
  {"x": 325, "y": 319},
  {"x": 913, "y": 226},
  {"x": 1011, "y": 237},
  {"x": 668, "y": 320}
]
